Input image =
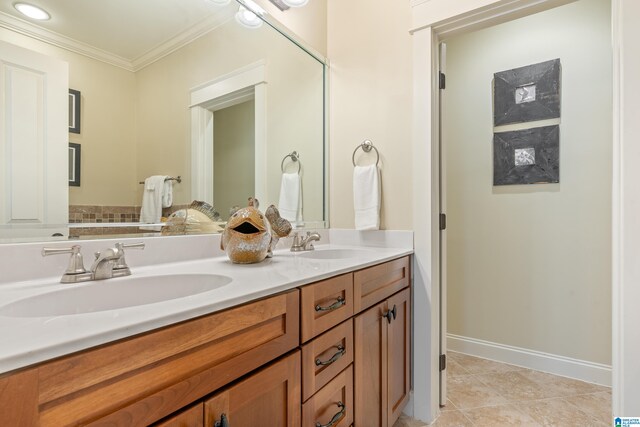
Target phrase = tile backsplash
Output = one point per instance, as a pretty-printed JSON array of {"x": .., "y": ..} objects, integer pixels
[{"x": 95, "y": 214}]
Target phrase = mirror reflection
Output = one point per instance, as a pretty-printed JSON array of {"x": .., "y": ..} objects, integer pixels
[{"x": 168, "y": 89}]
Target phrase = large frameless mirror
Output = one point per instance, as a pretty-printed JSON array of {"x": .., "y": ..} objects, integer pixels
[{"x": 205, "y": 94}]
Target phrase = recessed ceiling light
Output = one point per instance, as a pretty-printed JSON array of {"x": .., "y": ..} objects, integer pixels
[
  {"x": 247, "y": 18},
  {"x": 295, "y": 3},
  {"x": 220, "y": 2},
  {"x": 31, "y": 11}
]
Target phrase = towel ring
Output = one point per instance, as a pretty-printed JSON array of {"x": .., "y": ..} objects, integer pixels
[
  {"x": 295, "y": 157},
  {"x": 366, "y": 146}
]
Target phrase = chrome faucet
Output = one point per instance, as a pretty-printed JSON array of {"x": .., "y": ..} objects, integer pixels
[
  {"x": 304, "y": 243},
  {"x": 109, "y": 263},
  {"x": 102, "y": 267}
]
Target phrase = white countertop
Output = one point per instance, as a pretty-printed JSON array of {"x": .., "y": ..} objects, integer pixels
[{"x": 29, "y": 340}]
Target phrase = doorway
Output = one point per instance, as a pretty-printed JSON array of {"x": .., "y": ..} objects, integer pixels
[{"x": 527, "y": 267}]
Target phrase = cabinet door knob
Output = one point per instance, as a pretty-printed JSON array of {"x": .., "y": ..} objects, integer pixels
[
  {"x": 336, "y": 417},
  {"x": 223, "y": 422},
  {"x": 339, "y": 303},
  {"x": 390, "y": 314},
  {"x": 341, "y": 351}
]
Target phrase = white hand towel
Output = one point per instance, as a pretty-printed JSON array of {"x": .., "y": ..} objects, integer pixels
[
  {"x": 152, "y": 197},
  {"x": 167, "y": 193},
  {"x": 366, "y": 197},
  {"x": 290, "y": 205}
]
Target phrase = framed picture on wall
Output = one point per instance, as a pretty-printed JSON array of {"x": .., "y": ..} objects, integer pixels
[
  {"x": 527, "y": 94},
  {"x": 74, "y": 164},
  {"x": 75, "y": 99},
  {"x": 529, "y": 156}
]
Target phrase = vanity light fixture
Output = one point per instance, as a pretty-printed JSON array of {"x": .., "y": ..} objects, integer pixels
[
  {"x": 247, "y": 17},
  {"x": 31, "y": 11},
  {"x": 295, "y": 3}
]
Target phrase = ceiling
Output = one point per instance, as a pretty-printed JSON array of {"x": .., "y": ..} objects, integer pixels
[{"x": 126, "y": 29}]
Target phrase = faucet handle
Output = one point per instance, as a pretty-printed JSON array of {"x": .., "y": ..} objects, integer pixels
[
  {"x": 138, "y": 245},
  {"x": 76, "y": 263},
  {"x": 121, "y": 263}
]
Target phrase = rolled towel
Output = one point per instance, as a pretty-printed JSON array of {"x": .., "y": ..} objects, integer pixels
[
  {"x": 366, "y": 197},
  {"x": 290, "y": 204}
]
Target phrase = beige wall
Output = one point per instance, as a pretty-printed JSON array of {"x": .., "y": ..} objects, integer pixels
[
  {"x": 108, "y": 125},
  {"x": 369, "y": 49},
  {"x": 529, "y": 266},
  {"x": 233, "y": 150},
  {"x": 294, "y": 107},
  {"x": 309, "y": 23}
]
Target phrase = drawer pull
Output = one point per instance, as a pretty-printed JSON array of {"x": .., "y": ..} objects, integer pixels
[
  {"x": 339, "y": 303},
  {"x": 336, "y": 417},
  {"x": 390, "y": 313},
  {"x": 341, "y": 351}
]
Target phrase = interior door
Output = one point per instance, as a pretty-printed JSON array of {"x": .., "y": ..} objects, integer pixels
[
  {"x": 443, "y": 232},
  {"x": 34, "y": 159}
]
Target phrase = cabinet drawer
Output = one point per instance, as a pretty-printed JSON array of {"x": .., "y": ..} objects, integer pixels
[
  {"x": 333, "y": 401},
  {"x": 376, "y": 283},
  {"x": 143, "y": 379},
  {"x": 326, "y": 356},
  {"x": 325, "y": 304}
]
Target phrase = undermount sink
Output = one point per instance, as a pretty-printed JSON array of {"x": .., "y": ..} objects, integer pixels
[
  {"x": 113, "y": 294},
  {"x": 329, "y": 254}
]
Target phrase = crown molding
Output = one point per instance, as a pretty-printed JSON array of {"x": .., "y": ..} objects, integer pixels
[
  {"x": 180, "y": 40},
  {"x": 51, "y": 37}
]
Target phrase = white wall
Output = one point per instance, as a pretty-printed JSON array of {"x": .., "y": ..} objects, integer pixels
[
  {"x": 370, "y": 98},
  {"x": 529, "y": 265}
]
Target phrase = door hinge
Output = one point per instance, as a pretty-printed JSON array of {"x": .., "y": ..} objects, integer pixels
[
  {"x": 442, "y": 84},
  {"x": 443, "y": 221},
  {"x": 443, "y": 362}
]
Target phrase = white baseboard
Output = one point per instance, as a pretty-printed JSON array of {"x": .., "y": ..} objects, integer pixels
[{"x": 559, "y": 365}]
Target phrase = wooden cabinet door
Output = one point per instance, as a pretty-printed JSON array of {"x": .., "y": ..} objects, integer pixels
[
  {"x": 370, "y": 379},
  {"x": 398, "y": 359},
  {"x": 267, "y": 398},
  {"x": 382, "y": 361},
  {"x": 192, "y": 417}
]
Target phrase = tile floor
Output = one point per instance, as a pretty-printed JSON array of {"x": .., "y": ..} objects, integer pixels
[{"x": 486, "y": 393}]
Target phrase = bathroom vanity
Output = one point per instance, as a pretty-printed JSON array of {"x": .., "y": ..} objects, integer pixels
[{"x": 318, "y": 339}]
